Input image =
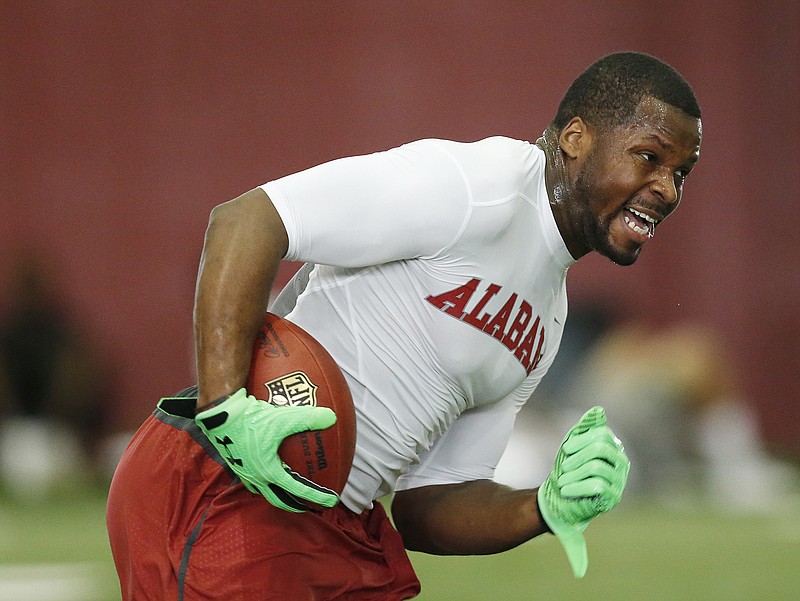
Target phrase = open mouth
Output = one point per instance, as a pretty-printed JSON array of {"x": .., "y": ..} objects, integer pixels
[{"x": 639, "y": 222}]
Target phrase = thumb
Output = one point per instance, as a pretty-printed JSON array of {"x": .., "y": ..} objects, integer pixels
[
  {"x": 570, "y": 535},
  {"x": 574, "y": 545}
]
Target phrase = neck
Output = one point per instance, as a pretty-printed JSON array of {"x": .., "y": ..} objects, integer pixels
[
  {"x": 559, "y": 190},
  {"x": 556, "y": 171}
]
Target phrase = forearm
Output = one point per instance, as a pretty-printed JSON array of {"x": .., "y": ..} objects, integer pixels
[
  {"x": 244, "y": 244},
  {"x": 472, "y": 518}
]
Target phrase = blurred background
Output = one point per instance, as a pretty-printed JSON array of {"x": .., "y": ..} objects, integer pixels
[{"x": 123, "y": 123}]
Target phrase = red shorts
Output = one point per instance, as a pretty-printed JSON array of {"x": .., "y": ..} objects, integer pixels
[{"x": 183, "y": 527}]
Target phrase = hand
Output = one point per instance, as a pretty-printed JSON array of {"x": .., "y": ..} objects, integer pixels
[
  {"x": 588, "y": 478},
  {"x": 247, "y": 433}
]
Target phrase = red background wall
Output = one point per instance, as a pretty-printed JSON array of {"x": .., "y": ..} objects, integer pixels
[{"x": 122, "y": 124}]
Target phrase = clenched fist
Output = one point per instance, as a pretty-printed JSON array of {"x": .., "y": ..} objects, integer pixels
[{"x": 588, "y": 477}]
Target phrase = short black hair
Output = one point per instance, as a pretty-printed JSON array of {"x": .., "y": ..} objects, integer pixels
[{"x": 607, "y": 93}]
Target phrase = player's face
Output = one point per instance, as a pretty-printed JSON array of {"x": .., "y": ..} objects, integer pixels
[{"x": 632, "y": 179}]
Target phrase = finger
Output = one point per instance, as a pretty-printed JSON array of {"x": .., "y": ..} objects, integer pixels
[
  {"x": 289, "y": 489},
  {"x": 576, "y": 442},
  {"x": 250, "y": 486},
  {"x": 303, "y": 488},
  {"x": 594, "y": 418},
  {"x": 321, "y": 418},
  {"x": 597, "y": 468},
  {"x": 300, "y": 419},
  {"x": 283, "y": 499},
  {"x": 598, "y": 494},
  {"x": 621, "y": 476},
  {"x": 309, "y": 483},
  {"x": 602, "y": 449},
  {"x": 607, "y": 486},
  {"x": 590, "y": 487}
]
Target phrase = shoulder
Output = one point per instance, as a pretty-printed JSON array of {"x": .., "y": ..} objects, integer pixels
[
  {"x": 499, "y": 148},
  {"x": 497, "y": 161}
]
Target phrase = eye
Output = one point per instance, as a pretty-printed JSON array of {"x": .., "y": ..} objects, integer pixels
[
  {"x": 648, "y": 156},
  {"x": 682, "y": 174},
  {"x": 680, "y": 177}
]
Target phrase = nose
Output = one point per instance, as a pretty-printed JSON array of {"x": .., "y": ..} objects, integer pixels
[{"x": 665, "y": 187}]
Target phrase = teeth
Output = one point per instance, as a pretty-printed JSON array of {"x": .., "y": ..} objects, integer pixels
[
  {"x": 636, "y": 228},
  {"x": 647, "y": 218}
]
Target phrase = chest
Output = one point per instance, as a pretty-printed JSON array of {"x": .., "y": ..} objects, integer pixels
[{"x": 489, "y": 336}]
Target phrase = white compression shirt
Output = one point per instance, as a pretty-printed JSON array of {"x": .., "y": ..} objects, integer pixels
[{"x": 439, "y": 289}]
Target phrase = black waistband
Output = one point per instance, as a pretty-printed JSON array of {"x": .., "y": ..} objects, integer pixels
[
  {"x": 178, "y": 411},
  {"x": 180, "y": 404}
]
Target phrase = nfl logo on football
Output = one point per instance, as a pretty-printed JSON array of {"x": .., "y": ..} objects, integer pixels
[{"x": 293, "y": 390}]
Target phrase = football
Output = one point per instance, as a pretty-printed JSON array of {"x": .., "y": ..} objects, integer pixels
[{"x": 290, "y": 368}]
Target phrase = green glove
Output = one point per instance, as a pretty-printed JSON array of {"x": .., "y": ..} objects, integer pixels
[
  {"x": 588, "y": 478},
  {"x": 247, "y": 433}
]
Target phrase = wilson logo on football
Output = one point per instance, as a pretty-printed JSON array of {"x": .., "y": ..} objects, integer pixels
[{"x": 294, "y": 389}]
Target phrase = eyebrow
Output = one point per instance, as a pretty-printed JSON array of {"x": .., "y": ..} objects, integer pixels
[
  {"x": 660, "y": 141},
  {"x": 691, "y": 162}
]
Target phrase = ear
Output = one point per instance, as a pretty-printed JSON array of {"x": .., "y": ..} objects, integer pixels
[{"x": 575, "y": 139}]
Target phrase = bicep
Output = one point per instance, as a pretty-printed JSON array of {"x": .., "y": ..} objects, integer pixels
[
  {"x": 449, "y": 504},
  {"x": 244, "y": 244}
]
